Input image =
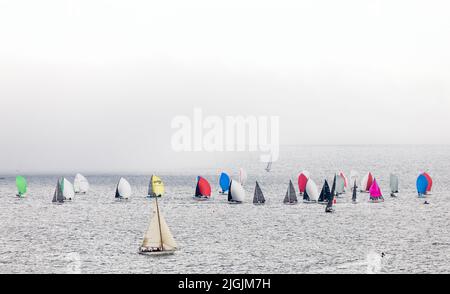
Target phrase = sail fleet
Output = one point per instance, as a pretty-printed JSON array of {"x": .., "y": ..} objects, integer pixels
[{"x": 158, "y": 239}]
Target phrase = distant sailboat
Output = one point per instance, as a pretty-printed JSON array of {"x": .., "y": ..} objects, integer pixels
[
  {"x": 345, "y": 179},
  {"x": 422, "y": 185},
  {"x": 302, "y": 181},
  {"x": 311, "y": 192},
  {"x": 269, "y": 166},
  {"x": 355, "y": 192},
  {"x": 375, "y": 193},
  {"x": 21, "y": 184},
  {"x": 258, "y": 198},
  {"x": 58, "y": 196},
  {"x": 155, "y": 187},
  {"x": 203, "y": 189},
  {"x": 242, "y": 176},
  {"x": 430, "y": 183},
  {"x": 324, "y": 194},
  {"x": 333, "y": 187},
  {"x": 354, "y": 176},
  {"x": 366, "y": 183},
  {"x": 123, "y": 190},
  {"x": 158, "y": 239},
  {"x": 291, "y": 197},
  {"x": 329, "y": 208},
  {"x": 236, "y": 194},
  {"x": 68, "y": 191},
  {"x": 340, "y": 185},
  {"x": 393, "y": 183},
  {"x": 80, "y": 184},
  {"x": 224, "y": 182}
]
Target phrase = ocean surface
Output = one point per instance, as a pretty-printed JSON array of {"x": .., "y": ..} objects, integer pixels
[{"x": 95, "y": 234}]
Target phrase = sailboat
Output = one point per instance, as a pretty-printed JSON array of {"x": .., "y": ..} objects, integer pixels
[
  {"x": 123, "y": 190},
  {"x": 344, "y": 178},
  {"x": 80, "y": 184},
  {"x": 236, "y": 193},
  {"x": 242, "y": 176},
  {"x": 422, "y": 186},
  {"x": 311, "y": 194},
  {"x": 68, "y": 191},
  {"x": 155, "y": 187},
  {"x": 333, "y": 187},
  {"x": 269, "y": 164},
  {"x": 340, "y": 185},
  {"x": 329, "y": 208},
  {"x": 291, "y": 197},
  {"x": 158, "y": 239},
  {"x": 354, "y": 194},
  {"x": 58, "y": 196},
  {"x": 430, "y": 183},
  {"x": 21, "y": 184},
  {"x": 393, "y": 183},
  {"x": 258, "y": 198},
  {"x": 375, "y": 193},
  {"x": 302, "y": 181},
  {"x": 324, "y": 194},
  {"x": 203, "y": 189},
  {"x": 366, "y": 183},
  {"x": 224, "y": 182},
  {"x": 354, "y": 176}
]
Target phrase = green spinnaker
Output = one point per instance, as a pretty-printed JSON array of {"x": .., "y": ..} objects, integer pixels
[{"x": 21, "y": 184}]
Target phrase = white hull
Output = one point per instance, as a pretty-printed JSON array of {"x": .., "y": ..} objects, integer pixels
[
  {"x": 234, "y": 202},
  {"x": 157, "y": 253},
  {"x": 291, "y": 203},
  {"x": 309, "y": 202}
]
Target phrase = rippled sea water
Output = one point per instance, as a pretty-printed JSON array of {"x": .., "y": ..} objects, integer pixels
[{"x": 94, "y": 234}]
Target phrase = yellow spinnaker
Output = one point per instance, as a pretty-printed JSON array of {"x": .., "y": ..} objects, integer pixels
[{"x": 157, "y": 186}]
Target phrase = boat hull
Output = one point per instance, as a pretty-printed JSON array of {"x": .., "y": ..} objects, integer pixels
[
  {"x": 200, "y": 198},
  {"x": 157, "y": 253}
]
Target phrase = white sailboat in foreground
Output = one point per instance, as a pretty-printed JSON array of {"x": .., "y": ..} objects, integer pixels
[{"x": 158, "y": 239}]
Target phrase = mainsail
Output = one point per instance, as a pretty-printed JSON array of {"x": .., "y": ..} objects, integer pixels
[
  {"x": 21, "y": 184},
  {"x": 236, "y": 194},
  {"x": 123, "y": 189},
  {"x": 224, "y": 182},
  {"x": 158, "y": 234},
  {"x": 355, "y": 191},
  {"x": 80, "y": 184},
  {"x": 333, "y": 188},
  {"x": 156, "y": 187},
  {"x": 366, "y": 182},
  {"x": 58, "y": 195},
  {"x": 291, "y": 197},
  {"x": 259, "y": 196}
]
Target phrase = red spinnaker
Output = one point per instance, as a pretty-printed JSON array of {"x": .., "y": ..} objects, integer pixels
[
  {"x": 302, "y": 181},
  {"x": 430, "y": 181},
  {"x": 203, "y": 187}
]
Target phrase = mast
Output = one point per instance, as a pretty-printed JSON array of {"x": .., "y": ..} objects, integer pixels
[{"x": 159, "y": 224}]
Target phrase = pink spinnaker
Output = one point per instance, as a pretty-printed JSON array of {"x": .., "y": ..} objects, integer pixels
[{"x": 375, "y": 191}]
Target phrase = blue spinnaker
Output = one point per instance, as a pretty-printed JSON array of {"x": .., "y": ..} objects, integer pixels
[
  {"x": 422, "y": 184},
  {"x": 224, "y": 182}
]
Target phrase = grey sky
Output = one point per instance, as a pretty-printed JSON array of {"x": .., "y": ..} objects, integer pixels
[{"x": 94, "y": 84}]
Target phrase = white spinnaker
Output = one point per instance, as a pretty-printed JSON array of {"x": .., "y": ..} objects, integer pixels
[
  {"x": 124, "y": 188},
  {"x": 394, "y": 183},
  {"x": 159, "y": 233},
  {"x": 242, "y": 176},
  {"x": 237, "y": 192},
  {"x": 364, "y": 182},
  {"x": 354, "y": 176},
  {"x": 311, "y": 189},
  {"x": 68, "y": 191},
  {"x": 340, "y": 184},
  {"x": 80, "y": 184}
]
